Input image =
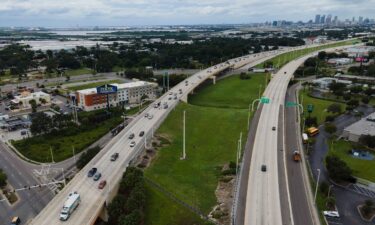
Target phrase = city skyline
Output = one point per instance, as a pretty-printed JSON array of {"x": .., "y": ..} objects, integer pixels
[{"x": 49, "y": 13}]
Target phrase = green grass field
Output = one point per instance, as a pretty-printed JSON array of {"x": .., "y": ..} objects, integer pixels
[
  {"x": 77, "y": 72},
  {"x": 92, "y": 85},
  {"x": 361, "y": 168},
  {"x": 320, "y": 106},
  {"x": 231, "y": 92},
  {"x": 38, "y": 148},
  {"x": 161, "y": 210},
  {"x": 207, "y": 151}
]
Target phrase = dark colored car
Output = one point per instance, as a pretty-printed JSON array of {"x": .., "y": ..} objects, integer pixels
[
  {"x": 97, "y": 176},
  {"x": 92, "y": 172},
  {"x": 114, "y": 156},
  {"x": 273, "y": 128},
  {"x": 142, "y": 133},
  {"x": 102, "y": 184},
  {"x": 264, "y": 168},
  {"x": 131, "y": 136}
]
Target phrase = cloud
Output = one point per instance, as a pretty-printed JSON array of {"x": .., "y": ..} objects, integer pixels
[{"x": 129, "y": 12}]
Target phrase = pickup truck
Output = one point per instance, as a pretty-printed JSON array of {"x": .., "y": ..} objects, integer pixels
[{"x": 296, "y": 156}]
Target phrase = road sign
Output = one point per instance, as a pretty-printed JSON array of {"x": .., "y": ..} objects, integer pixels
[
  {"x": 264, "y": 100},
  {"x": 310, "y": 108},
  {"x": 106, "y": 89},
  {"x": 291, "y": 104}
]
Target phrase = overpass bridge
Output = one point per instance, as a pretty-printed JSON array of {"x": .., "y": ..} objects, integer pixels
[{"x": 94, "y": 201}]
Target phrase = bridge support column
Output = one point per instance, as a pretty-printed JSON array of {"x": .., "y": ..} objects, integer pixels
[
  {"x": 184, "y": 98},
  {"x": 213, "y": 79},
  {"x": 111, "y": 194}
]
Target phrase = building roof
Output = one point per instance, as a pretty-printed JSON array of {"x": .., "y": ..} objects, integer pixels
[
  {"x": 365, "y": 126},
  {"x": 354, "y": 77},
  {"x": 119, "y": 86}
]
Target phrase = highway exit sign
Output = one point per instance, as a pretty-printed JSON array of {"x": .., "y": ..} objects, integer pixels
[
  {"x": 310, "y": 108},
  {"x": 291, "y": 104}
]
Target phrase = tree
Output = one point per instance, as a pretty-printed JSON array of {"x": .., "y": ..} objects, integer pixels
[
  {"x": 337, "y": 88},
  {"x": 353, "y": 103},
  {"x": 33, "y": 104},
  {"x": 356, "y": 89},
  {"x": 368, "y": 207},
  {"x": 334, "y": 108},
  {"x": 41, "y": 123},
  {"x": 347, "y": 97},
  {"x": 330, "y": 128},
  {"x": 3, "y": 178},
  {"x": 116, "y": 208},
  {"x": 133, "y": 218},
  {"x": 310, "y": 121},
  {"x": 322, "y": 55},
  {"x": 338, "y": 170},
  {"x": 367, "y": 140},
  {"x": 43, "y": 101},
  {"x": 365, "y": 100}
]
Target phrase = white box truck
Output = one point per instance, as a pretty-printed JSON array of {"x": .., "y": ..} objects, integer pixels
[{"x": 70, "y": 205}]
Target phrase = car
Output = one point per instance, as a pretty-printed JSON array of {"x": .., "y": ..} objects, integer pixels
[
  {"x": 146, "y": 115},
  {"x": 102, "y": 184},
  {"x": 273, "y": 128},
  {"x": 285, "y": 72},
  {"x": 170, "y": 93},
  {"x": 114, "y": 156},
  {"x": 264, "y": 168},
  {"x": 175, "y": 97},
  {"x": 170, "y": 98},
  {"x": 132, "y": 144},
  {"x": 150, "y": 116},
  {"x": 15, "y": 221},
  {"x": 131, "y": 136},
  {"x": 186, "y": 84},
  {"x": 165, "y": 106},
  {"x": 97, "y": 176},
  {"x": 141, "y": 133},
  {"x": 92, "y": 172},
  {"x": 333, "y": 214}
]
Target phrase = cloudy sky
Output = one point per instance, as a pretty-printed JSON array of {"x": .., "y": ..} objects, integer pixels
[{"x": 72, "y": 13}]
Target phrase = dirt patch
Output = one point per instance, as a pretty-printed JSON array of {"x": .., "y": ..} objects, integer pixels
[
  {"x": 147, "y": 156},
  {"x": 6, "y": 193},
  {"x": 221, "y": 213}
]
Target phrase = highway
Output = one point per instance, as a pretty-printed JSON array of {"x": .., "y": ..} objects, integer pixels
[
  {"x": 93, "y": 199},
  {"x": 264, "y": 204}
]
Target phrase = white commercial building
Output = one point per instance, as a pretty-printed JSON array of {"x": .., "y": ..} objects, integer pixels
[
  {"x": 127, "y": 93},
  {"x": 340, "y": 61},
  {"x": 23, "y": 100},
  {"x": 366, "y": 126},
  {"x": 324, "y": 82}
]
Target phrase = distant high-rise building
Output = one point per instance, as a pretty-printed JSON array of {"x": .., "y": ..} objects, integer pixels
[
  {"x": 274, "y": 23},
  {"x": 353, "y": 19},
  {"x": 360, "y": 19},
  {"x": 329, "y": 18},
  {"x": 335, "y": 20},
  {"x": 323, "y": 19},
  {"x": 317, "y": 19}
]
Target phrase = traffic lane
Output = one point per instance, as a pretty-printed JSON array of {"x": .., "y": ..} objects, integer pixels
[
  {"x": 245, "y": 169},
  {"x": 298, "y": 198}
]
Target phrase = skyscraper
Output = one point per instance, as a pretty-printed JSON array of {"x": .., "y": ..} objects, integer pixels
[
  {"x": 329, "y": 18},
  {"x": 323, "y": 19},
  {"x": 317, "y": 19},
  {"x": 360, "y": 19}
]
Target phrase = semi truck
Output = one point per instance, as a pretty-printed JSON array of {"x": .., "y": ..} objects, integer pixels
[
  {"x": 70, "y": 205},
  {"x": 296, "y": 156}
]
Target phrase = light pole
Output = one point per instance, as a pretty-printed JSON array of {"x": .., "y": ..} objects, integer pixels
[
  {"x": 50, "y": 148},
  {"x": 248, "y": 118},
  {"x": 184, "y": 137},
  {"x": 329, "y": 189},
  {"x": 316, "y": 186},
  {"x": 74, "y": 155}
]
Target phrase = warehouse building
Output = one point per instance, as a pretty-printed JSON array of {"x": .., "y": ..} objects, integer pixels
[{"x": 365, "y": 126}]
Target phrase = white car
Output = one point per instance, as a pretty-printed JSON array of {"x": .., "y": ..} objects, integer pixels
[
  {"x": 334, "y": 214},
  {"x": 132, "y": 144},
  {"x": 150, "y": 116}
]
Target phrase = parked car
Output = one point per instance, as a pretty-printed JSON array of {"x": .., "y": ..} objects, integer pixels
[
  {"x": 273, "y": 128},
  {"x": 150, "y": 116},
  {"x": 264, "y": 168},
  {"x": 92, "y": 172},
  {"x": 333, "y": 214},
  {"x": 114, "y": 156},
  {"x": 141, "y": 133},
  {"x": 15, "y": 221},
  {"x": 102, "y": 184},
  {"x": 146, "y": 115},
  {"x": 131, "y": 136},
  {"x": 132, "y": 144},
  {"x": 97, "y": 176}
]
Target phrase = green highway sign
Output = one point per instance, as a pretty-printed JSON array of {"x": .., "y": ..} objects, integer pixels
[
  {"x": 291, "y": 104},
  {"x": 264, "y": 100},
  {"x": 310, "y": 108}
]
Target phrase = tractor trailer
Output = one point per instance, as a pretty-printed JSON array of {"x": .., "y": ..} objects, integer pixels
[{"x": 70, "y": 205}]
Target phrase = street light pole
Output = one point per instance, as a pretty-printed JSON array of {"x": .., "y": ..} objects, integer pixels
[
  {"x": 316, "y": 186},
  {"x": 50, "y": 148},
  {"x": 329, "y": 189},
  {"x": 184, "y": 138}
]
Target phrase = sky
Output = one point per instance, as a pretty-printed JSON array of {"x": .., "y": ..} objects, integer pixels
[{"x": 76, "y": 13}]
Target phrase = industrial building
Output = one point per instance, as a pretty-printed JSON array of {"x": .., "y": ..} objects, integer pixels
[
  {"x": 127, "y": 93},
  {"x": 365, "y": 126}
]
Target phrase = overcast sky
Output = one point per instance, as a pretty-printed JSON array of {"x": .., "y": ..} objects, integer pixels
[{"x": 72, "y": 13}]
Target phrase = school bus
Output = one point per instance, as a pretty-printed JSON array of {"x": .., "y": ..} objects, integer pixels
[{"x": 312, "y": 131}]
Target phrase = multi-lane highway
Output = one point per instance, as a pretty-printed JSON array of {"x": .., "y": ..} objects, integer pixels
[
  {"x": 93, "y": 199},
  {"x": 264, "y": 204}
]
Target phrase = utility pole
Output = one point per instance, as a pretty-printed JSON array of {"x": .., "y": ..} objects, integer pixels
[
  {"x": 50, "y": 148},
  {"x": 184, "y": 138},
  {"x": 317, "y": 184},
  {"x": 74, "y": 155}
]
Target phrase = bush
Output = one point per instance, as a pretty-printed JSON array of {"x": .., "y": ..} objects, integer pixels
[
  {"x": 330, "y": 128},
  {"x": 3, "y": 178},
  {"x": 338, "y": 170},
  {"x": 87, "y": 156},
  {"x": 330, "y": 118},
  {"x": 244, "y": 76}
]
